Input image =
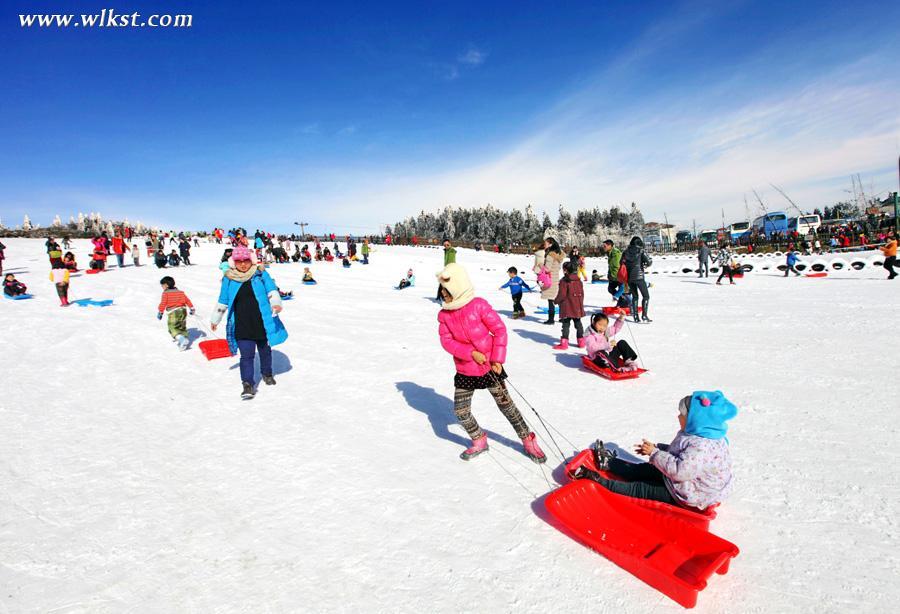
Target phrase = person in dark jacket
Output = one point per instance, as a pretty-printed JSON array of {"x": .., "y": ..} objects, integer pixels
[
  {"x": 636, "y": 261},
  {"x": 184, "y": 247},
  {"x": 703, "y": 257},
  {"x": 570, "y": 299}
]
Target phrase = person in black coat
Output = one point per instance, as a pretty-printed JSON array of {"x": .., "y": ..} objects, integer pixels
[{"x": 635, "y": 261}]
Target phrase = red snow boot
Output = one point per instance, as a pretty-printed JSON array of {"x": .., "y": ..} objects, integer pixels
[
  {"x": 563, "y": 345},
  {"x": 581, "y": 342},
  {"x": 478, "y": 446},
  {"x": 533, "y": 450}
]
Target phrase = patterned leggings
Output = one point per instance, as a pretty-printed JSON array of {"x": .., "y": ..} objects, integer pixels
[{"x": 462, "y": 400}]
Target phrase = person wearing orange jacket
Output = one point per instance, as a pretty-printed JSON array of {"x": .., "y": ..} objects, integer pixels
[
  {"x": 119, "y": 247},
  {"x": 890, "y": 254}
]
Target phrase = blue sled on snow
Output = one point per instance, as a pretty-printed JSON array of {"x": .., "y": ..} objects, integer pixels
[
  {"x": 89, "y": 302},
  {"x": 310, "y": 283},
  {"x": 546, "y": 311},
  {"x": 287, "y": 298},
  {"x": 18, "y": 297}
]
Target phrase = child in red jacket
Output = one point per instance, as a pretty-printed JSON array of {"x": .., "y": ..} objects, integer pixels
[
  {"x": 570, "y": 299},
  {"x": 176, "y": 303}
]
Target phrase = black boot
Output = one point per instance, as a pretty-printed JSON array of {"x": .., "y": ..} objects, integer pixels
[
  {"x": 602, "y": 456},
  {"x": 248, "y": 392},
  {"x": 269, "y": 380},
  {"x": 645, "y": 307}
]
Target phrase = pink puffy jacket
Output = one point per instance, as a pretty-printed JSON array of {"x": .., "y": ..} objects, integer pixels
[
  {"x": 476, "y": 326},
  {"x": 596, "y": 342}
]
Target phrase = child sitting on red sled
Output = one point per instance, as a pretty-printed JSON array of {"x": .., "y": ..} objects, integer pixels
[
  {"x": 694, "y": 471},
  {"x": 601, "y": 349}
]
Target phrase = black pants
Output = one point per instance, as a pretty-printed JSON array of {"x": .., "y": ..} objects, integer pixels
[
  {"x": 517, "y": 303},
  {"x": 791, "y": 269},
  {"x": 889, "y": 264},
  {"x": 639, "y": 286},
  {"x": 187, "y": 260},
  {"x": 726, "y": 270},
  {"x": 579, "y": 329},
  {"x": 704, "y": 268},
  {"x": 612, "y": 286},
  {"x": 643, "y": 481},
  {"x": 551, "y": 311},
  {"x": 617, "y": 356}
]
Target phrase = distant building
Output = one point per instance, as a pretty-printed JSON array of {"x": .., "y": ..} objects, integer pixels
[{"x": 659, "y": 235}]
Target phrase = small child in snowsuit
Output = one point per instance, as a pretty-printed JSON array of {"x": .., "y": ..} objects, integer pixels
[
  {"x": 409, "y": 280},
  {"x": 472, "y": 332},
  {"x": 595, "y": 277},
  {"x": 570, "y": 299},
  {"x": 160, "y": 259},
  {"x": 98, "y": 259},
  {"x": 174, "y": 259},
  {"x": 12, "y": 286},
  {"x": 135, "y": 254},
  {"x": 791, "y": 264},
  {"x": 224, "y": 265},
  {"x": 307, "y": 275},
  {"x": 176, "y": 304},
  {"x": 59, "y": 275},
  {"x": 602, "y": 350},
  {"x": 694, "y": 471},
  {"x": 345, "y": 263},
  {"x": 69, "y": 262},
  {"x": 515, "y": 285}
]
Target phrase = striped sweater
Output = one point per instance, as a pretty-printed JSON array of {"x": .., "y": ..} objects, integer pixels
[{"x": 174, "y": 299}]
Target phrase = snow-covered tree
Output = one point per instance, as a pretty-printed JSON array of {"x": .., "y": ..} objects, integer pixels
[
  {"x": 57, "y": 223},
  {"x": 26, "y": 224}
]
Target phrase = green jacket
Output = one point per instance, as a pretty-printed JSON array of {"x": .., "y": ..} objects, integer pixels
[
  {"x": 365, "y": 249},
  {"x": 450, "y": 255},
  {"x": 615, "y": 259}
]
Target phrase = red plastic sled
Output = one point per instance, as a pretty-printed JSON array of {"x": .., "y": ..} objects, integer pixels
[
  {"x": 671, "y": 555},
  {"x": 609, "y": 373},
  {"x": 215, "y": 348},
  {"x": 614, "y": 311},
  {"x": 92, "y": 271},
  {"x": 820, "y": 274},
  {"x": 701, "y": 520}
]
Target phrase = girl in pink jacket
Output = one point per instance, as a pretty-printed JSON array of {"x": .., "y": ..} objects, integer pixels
[
  {"x": 602, "y": 350},
  {"x": 473, "y": 333}
]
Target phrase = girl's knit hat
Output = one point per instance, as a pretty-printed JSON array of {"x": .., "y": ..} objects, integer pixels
[
  {"x": 707, "y": 414},
  {"x": 241, "y": 253}
]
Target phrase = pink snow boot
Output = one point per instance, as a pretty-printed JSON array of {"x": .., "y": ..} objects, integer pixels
[
  {"x": 563, "y": 345},
  {"x": 478, "y": 446},
  {"x": 581, "y": 342},
  {"x": 533, "y": 450}
]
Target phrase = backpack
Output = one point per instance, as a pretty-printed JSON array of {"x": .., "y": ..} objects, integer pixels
[{"x": 622, "y": 277}]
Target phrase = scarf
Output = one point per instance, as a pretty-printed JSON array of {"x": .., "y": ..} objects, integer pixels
[{"x": 234, "y": 275}]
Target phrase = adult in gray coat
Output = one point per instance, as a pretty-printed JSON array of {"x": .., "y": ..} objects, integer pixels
[
  {"x": 635, "y": 261},
  {"x": 703, "y": 257}
]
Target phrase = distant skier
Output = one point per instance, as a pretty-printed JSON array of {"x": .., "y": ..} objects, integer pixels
[
  {"x": 635, "y": 261},
  {"x": 703, "y": 258},
  {"x": 472, "y": 332},
  {"x": 694, "y": 471}
]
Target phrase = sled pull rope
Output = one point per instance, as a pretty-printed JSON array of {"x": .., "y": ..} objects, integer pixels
[
  {"x": 205, "y": 327},
  {"x": 500, "y": 384},
  {"x": 633, "y": 340},
  {"x": 543, "y": 423}
]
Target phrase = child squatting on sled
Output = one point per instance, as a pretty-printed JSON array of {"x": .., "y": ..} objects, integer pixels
[
  {"x": 694, "y": 471},
  {"x": 473, "y": 333}
]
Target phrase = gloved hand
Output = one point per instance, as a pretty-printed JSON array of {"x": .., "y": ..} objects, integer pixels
[{"x": 159, "y": 315}]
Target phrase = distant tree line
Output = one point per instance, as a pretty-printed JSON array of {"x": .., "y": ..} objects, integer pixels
[{"x": 588, "y": 228}]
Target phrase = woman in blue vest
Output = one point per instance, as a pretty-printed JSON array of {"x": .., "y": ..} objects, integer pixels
[{"x": 251, "y": 298}]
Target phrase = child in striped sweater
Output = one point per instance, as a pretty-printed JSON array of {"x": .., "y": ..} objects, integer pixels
[{"x": 176, "y": 304}]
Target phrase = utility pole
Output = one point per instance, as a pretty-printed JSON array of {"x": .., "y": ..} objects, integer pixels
[
  {"x": 667, "y": 239},
  {"x": 302, "y": 226}
]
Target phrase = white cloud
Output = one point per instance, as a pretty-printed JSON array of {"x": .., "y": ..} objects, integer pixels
[{"x": 472, "y": 57}]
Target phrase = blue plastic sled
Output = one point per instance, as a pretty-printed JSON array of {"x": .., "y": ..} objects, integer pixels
[
  {"x": 89, "y": 302},
  {"x": 287, "y": 298},
  {"x": 19, "y": 297},
  {"x": 598, "y": 282},
  {"x": 310, "y": 283},
  {"x": 544, "y": 310}
]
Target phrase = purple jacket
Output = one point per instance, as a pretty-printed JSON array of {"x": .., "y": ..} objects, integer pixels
[
  {"x": 476, "y": 326},
  {"x": 697, "y": 470}
]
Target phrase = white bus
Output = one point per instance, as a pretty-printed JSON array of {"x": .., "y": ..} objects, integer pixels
[{"x": 805, "y": 224}]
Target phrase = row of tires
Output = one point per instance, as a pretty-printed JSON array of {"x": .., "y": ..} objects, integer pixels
[
  {"x": 777, "y": 254},
  {"x": 817, "y": 266}
]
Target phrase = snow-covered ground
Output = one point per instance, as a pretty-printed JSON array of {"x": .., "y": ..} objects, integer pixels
[{"x": 132, "y": 477}]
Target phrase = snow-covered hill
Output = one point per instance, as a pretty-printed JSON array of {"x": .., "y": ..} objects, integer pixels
[{"x": 132, "y": 477}]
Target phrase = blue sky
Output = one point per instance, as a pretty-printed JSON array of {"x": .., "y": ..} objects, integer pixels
[{"x": 352, "y": 115}]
